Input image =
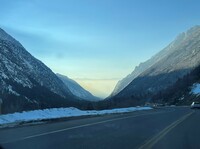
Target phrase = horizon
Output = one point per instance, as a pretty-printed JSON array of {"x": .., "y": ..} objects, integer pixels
[{"x": 96, "y": 43}]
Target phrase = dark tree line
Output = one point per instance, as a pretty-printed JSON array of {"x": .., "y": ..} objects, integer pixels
[{"x": 179, "y": 93}]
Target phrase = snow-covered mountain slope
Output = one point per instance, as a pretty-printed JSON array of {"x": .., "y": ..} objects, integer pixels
[
  {"x": 26, "y": 78},
  {"x": 162, "y": 70},
  {"x": 76, "y": 89},
  {"x": 174, "y": 57}
]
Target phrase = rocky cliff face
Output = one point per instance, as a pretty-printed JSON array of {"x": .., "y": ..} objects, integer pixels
[{"x": 162, "y": 70}]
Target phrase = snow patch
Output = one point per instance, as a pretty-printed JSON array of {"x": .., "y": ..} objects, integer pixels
[
  {"x": 54, "y": 113},
  {"x": 12, "y": 91},
  {"x": 26, "y": 63},
  {"x": 4, "y": 75},
  {"x": 196, "y": 89}
]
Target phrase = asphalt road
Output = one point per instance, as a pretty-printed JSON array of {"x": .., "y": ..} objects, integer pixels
[{"x": 166, "y": 128}]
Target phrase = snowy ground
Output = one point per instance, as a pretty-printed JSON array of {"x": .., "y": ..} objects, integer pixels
[
  {"x": 38, "y": 115},
  {"x": 196, "y": 89}
]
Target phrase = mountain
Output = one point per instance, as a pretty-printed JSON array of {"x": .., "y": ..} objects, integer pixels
[
  {"x": 76, "y": 89},
  {"x": 175, "y": 61},
  {"x": 183, "y": 92},
  {"x": 138, "y": 70},
  {"x": 25, "y": 82}
]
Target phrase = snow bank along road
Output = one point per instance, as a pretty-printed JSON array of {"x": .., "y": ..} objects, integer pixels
[
  {"x": 174, "y": 128},
  {"x": 55, "y": 113}
]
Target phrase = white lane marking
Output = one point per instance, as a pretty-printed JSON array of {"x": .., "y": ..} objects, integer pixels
[
  {"x": 81, "y": 126},
  {"x": 150, "y": 143}
]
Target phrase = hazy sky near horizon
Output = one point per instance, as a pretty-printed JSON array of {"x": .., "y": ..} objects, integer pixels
[{"x": 96, "y": 42}]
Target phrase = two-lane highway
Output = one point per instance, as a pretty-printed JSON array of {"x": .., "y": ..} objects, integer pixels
[{"x": 174, "y": 128}]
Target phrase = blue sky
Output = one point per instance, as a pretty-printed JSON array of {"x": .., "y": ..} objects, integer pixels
[{"x": 96, "y": 42}]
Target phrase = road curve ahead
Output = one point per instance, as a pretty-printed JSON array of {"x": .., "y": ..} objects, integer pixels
[{"x": 166, "y": 128}]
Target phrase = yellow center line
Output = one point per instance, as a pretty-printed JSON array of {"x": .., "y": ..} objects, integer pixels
[{"x": 150, "y": 143}]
